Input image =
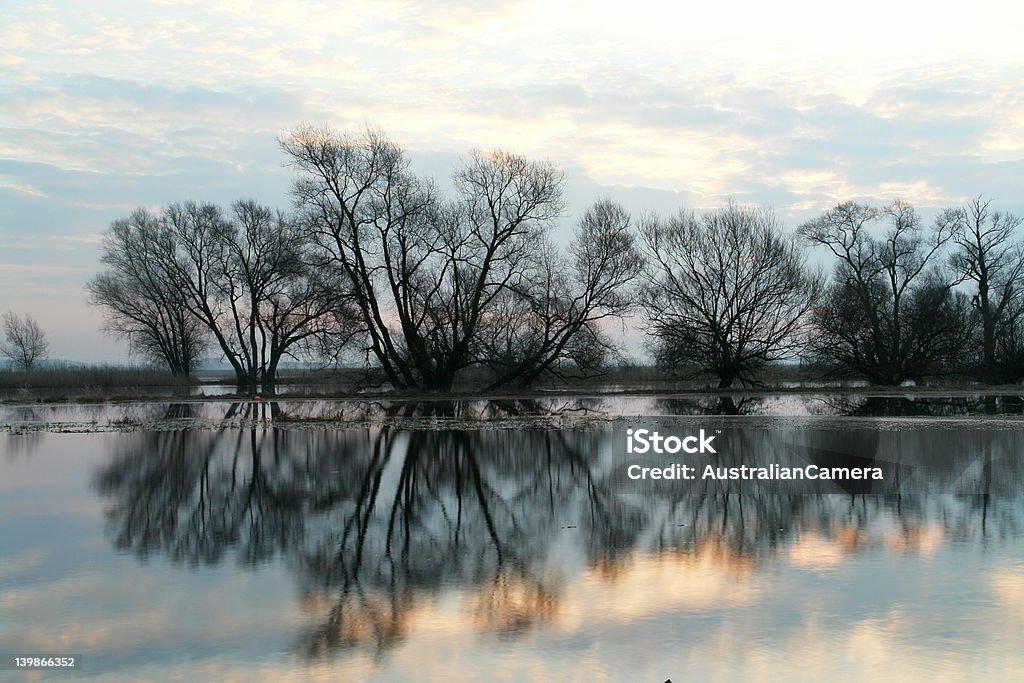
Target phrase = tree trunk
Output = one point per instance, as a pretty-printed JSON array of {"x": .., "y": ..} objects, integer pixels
[
  {"x": 270, "y": 376},
  {"x": 246, "y": 382}
]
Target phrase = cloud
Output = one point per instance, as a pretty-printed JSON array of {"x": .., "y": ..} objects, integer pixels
[{"x": 107, "y": 106}]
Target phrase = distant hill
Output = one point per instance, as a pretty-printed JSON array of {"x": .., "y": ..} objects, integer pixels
[{"x": 50, "y": 363}]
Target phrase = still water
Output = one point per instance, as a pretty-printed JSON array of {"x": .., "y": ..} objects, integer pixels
[{"x": 384, "y": 552}]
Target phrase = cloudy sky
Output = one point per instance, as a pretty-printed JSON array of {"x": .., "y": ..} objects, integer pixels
[{"x": 107, "y": 105}]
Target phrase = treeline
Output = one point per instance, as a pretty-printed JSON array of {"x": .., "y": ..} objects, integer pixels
[{"x": 376, "y": 263}]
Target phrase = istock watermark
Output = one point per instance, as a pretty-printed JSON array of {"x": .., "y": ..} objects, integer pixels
[
  {"x": 704, "y": 455},
  {"x": 643, "y": 441},
  {"x": 684, "y": 454}
]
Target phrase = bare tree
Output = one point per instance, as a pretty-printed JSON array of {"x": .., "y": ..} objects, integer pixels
[
  {"x": 438, "y": 283},
  {"x": 991, "y": 255},
  {"x": 248, "y": 277},
  {"x": 890, "y": 313},
  {"x": 24, "y": 341},
  {"x": 245, "y": 278},
  {"x": 727, "y": 291},
  {"x": 141, "y": 300},
  {"x": 555, "y": 318}
]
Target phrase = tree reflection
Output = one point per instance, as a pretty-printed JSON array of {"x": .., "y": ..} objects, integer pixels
[
  {"x": 374, "y": 523},
  {"x": 923, "y": 406},
  {"x": 846, "y": 405},
  {"x": 373, "y": 517},
  {"x": 710, "y": 405}
]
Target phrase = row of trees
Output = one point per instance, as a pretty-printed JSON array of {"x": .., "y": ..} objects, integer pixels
[
  {"x": 907, "y": 300},
  {"x": 731, "y": 292},
  {"x": 375, "y": 258},
  {"x": 377, "y": 261}
]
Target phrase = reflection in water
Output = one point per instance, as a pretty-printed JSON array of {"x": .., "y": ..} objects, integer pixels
[
  {"x": 842, "y": 405},
  {"x": 370, "y": 518},
  {"x": 710, "y": 405},
  {"x": 911, "y": 406},
  {"x": 459, "y": 540},
  {"x": 377, "y": 525}
]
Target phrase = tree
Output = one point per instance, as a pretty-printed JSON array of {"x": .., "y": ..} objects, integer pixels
[
  {"x": 445, "y": 284},
  {"x": 990, "y": 254},
  {"x": 142, "y": 301},
  {"x": 24, "y": 341},
  {"x": 249, "y": 279},
  {"x": 891, "y": 313},
  {"x": 726, "y": 291},
  {"x": 245, "y": 278},
  {"x": 555, "y": 318}
]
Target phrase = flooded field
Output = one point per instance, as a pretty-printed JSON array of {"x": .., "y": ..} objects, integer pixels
[
  {"x": 317, "y": 540},
  {"x": 215, "y": 413}
]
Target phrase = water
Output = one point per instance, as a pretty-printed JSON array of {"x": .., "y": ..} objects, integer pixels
[
  {"x": 211, "y": 412},
  {"x": 383, "y": 552}
]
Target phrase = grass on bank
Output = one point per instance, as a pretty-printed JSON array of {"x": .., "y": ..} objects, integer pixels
[{"x": 96, "y": 382}]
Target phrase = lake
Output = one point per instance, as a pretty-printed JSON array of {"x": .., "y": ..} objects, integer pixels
[{"x": 217, "y": 541}]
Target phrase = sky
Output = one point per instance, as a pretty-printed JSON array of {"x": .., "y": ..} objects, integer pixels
[{"x": 105, "y": 106}]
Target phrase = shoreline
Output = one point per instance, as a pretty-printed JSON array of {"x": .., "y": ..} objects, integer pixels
[
  {"x": 534, "y": 410},
  {"x": 114, "y": 398}
]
